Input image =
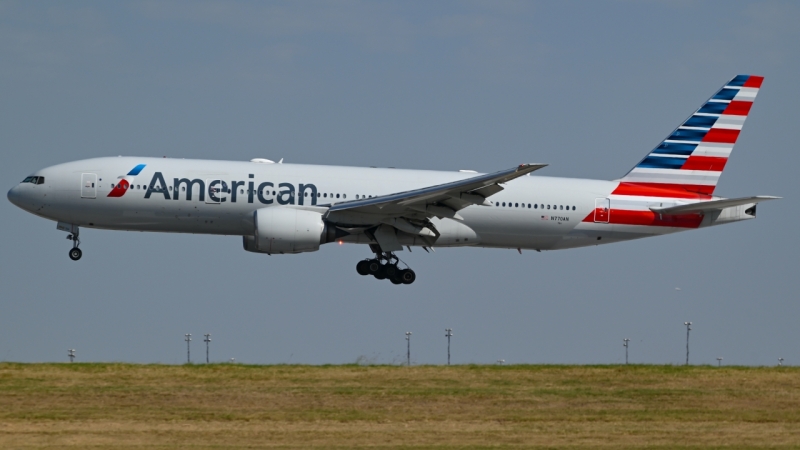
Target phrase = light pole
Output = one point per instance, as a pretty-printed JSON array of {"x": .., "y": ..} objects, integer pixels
[
  {"x": 188, "y": 338},
  {"x": 780, "y": 362},
  {"x": 207, "y": 340},
  {"x": 448, "y": 335},
  {"x": 688, "y": 329},
  {"x": 719, "y": 361},
  {"x": 626, "y": 340},
  {"x": 71, "y": 354},
  {"x": 408, "y": 348}
]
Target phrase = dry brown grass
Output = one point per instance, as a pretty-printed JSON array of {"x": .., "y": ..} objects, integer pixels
[{"x": 228, "y": 406}]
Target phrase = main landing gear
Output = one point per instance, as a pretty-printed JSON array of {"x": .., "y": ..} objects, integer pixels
[
  {"x": 384, "y": 267},
  {"x": 75, "y": 253}
]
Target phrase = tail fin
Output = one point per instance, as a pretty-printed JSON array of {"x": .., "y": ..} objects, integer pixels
[{"x": 693, "y": 156}]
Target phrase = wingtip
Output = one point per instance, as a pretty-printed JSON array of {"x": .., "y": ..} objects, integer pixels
[{"x": 531, "y": 165}]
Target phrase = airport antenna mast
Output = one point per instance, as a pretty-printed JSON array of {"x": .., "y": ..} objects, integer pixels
[
  {"x": 448, "y": 335},
  {"x": 188, "y": 339},
  {"x": 207, "y": 340},
  {"x": 688, "y": 329},
  {"x": 408, "y": 348},
  {"x": 71, "y": 354},
  {"x": 625, "y": 344}
]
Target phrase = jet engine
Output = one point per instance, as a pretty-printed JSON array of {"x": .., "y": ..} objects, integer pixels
[{"x": 285, "y": 230}]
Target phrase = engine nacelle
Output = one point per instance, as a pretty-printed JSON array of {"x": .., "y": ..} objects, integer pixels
[{"x": 286, "y": 230}]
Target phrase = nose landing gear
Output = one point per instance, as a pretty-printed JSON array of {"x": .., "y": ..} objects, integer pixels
[
  {"x": 75, "y": 253},
  {"x": 384, "y": 266}
]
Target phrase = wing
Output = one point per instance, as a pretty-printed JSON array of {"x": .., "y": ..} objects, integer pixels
[
  {"x": 454, "y": 195},
  {"x": 712, "y": 205},
  {"x": 410, "y": 211}
]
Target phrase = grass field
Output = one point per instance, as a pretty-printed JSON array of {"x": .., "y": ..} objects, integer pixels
[{"x": 239, "y": 406}]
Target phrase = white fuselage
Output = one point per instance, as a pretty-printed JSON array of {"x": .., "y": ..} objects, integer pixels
[{"x": 532, "y": 212}]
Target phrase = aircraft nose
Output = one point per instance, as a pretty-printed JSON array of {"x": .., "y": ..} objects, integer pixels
[{"x": 14, "y": 196}]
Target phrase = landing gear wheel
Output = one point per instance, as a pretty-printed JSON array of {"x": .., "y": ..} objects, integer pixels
[
  {"x": 374, "y": 266},
  {"x": 384, "y": 267},
  {"x": 391, "y": 271},
  {"x": 75, "y": 254},
  {"x": 407, "y": 276}
]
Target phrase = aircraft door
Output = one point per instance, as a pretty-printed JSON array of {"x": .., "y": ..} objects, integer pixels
[
  {"x": 602, "y": 210},
  {"x": 88, "y": 185}
]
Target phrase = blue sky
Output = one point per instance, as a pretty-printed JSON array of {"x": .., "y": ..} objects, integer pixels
[{"x": 588, "y": 87}]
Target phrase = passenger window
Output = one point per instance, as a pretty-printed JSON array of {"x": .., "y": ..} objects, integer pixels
[
  {"x": 529, "y": 205},
  {"x": 516, "y": 205},
  {"x": 241, "y": 191},
  {"x": 504, "y": 203},
  {"x": 183, "y": 188},
  {"x": 337, "y": 195},
  {"x": 344, "y": 195},
  {"x": 535, "y": 206},
  {"x": 561, "y": 207},
  {"x": 548, "y": 206},
  {"x": 325, "y": 195},
  {"x": 112, "y": 185},
  {"x": 356, "y": 196}
]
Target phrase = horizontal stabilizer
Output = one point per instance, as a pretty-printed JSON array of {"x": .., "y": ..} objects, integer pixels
[{"x": 712, "y": 205}]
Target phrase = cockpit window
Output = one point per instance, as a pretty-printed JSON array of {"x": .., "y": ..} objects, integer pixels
[
  {"x": 40, "y": 180},
  {"x": 28, "y": 180}
]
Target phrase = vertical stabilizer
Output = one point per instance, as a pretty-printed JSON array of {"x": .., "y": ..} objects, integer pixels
[{"x": 693, "y": 156}]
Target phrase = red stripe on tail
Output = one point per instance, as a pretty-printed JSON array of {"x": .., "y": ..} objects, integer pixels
[
  {"x": 721, "y": 135},
  {"x": 704, "y": 163},
  {"x": 738, "y": 108},
  {"x": 754, "y": 81},
  {"x": 664, "y": 190}
]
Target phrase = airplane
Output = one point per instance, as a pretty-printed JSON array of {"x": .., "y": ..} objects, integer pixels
[{"x": 282, "y": 208}]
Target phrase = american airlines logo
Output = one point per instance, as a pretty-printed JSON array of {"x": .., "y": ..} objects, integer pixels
[
  {"x": 220, "y": 191},
  {"x": 124, "y": 182}
]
